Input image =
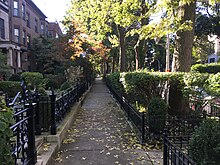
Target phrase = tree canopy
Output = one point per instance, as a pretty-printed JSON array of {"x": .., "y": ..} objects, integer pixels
[{"x": 114, "y": 21}]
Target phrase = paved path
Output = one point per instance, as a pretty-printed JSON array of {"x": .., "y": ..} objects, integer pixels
[{"x": 101, "y": 135}]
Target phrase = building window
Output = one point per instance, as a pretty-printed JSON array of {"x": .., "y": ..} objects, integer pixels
[
  {"x": 46, "y": 30},
  {"x": 50, "y": 34},
  {"x": 23, "y": 12},
  {"x": 36, "y": 25},
  {"x": 28, "y": 19},
  {"x": 16, "y": 35},
  {"x": 24, "y": 37},
  {"x": 42, "y": 29},
  {"x": 28, "y": 40},
  {"x": 16, "y": 8},
  {"x": 2, "y": 28}
]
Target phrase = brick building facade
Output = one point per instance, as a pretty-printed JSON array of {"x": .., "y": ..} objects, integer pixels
[{"x": 21, "y": 21}]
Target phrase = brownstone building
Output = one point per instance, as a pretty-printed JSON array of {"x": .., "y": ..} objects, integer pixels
[
  {"x": 20, "y": 22},
  {"x": 54, "y": 30}
]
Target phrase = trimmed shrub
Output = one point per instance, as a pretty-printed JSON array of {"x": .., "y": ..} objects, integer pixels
[
  {"x": 213, "y": 87},
  {"x": 33, "y": 79},
  {"x": 206, "y": 68},
  {"x": 11, "y": 88},
  {"x": 157, "y": 111},
  {"x": 114, "y": 80},
  {"x": 204, "y": 147},
  {"x": 6, "y": 119}
]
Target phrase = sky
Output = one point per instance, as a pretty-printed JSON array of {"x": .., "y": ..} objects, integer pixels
[{"x": 53, "y": 9}]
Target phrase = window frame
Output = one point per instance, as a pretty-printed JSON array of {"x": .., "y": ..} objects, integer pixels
[
  {"x": 23, "y": 11},
  {"x": 17, "y": 36},
  {"x": 2, "y": 28},
  {"x": 24, "y": 37},
  {"x": 28, "y": 19},
  {"x": 16, "y": 8},
  {"x": 36, "y": 25}
]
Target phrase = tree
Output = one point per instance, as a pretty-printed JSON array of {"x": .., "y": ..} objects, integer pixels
[
  {"x": 102, "y": 18},
  {"x": 207, "y": 24},
  {"x": 4, "y": 69},
  {"x": 51, "y": 54}
]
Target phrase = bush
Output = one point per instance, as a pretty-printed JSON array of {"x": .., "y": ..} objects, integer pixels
[
  {"x": 11, "y": 88},
  {"x": 213, "y": 87},
  {"x": 206, "y": 68},
  {"x": 114, "y": 80},
  {"x": 6, "y": 119},
  {"x": 15, "y": 77},
  {"x": 65, "y": 86},
  {"x": 54, "y": 81},
  {"x": 204, "y": 147},
  {"x": 157, "y": 111},
  {"x": 33, "y": 79}
]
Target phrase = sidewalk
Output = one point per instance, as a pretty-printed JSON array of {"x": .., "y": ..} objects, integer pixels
[{"x": 102, "y": 136}]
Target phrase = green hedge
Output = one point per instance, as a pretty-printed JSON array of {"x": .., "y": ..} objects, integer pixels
[
  {"x": 140, "y": 87},
  {"x": 33, "y": 79},
  {"x": 6, "y": 119},
  {"x": 157, "y": 112},
  {"x": 206, "y": 68},
  {"x": 114, "y": 81},
  {"x": 204, "y": 146},
  {"x": 11, "y": 88}
]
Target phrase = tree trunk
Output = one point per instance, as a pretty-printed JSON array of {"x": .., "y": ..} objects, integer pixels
[
  {"x": 136, "y": 49},
  {"x": 182, "y": 58},
  {"x": 140, "y": 47},
  {"x": 122, "y": 56},
  {"x": 140, "y": 52}
]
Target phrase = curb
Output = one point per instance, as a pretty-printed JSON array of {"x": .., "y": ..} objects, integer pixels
[{"x": 48, "y": 145}]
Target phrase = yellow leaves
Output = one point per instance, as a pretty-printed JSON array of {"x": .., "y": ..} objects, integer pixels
[
  {"x": 46, "y": 146},
  {"x": 68, "y": 140},
  {"x": 59, "y": 158},
  {"x": 140, "y": 158}
]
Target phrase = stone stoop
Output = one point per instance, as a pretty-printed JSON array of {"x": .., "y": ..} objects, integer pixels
[{"x": 47, "y": 145}]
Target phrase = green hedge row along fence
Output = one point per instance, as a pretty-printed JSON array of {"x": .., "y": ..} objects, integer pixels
[
  {"x": 176, "y": 88},
  {"x": 206, "y": 68}
]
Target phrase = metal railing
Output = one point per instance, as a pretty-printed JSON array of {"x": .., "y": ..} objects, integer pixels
[
  {"x": 61, "y": 106},
  {"x": 174, "y": 152},
  {"x": 23, "y": 139},
  {"x": 137, "y": 118},
  {"x": 33, "y": 114}
]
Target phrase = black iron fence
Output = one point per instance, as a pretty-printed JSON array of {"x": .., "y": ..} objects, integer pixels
[
  {"x": 178, "y": 129},
  {"x": 34, "y": 114},
  {"x": 23, "y": 140},
  {"x": 61, "y": 106},
  {"x": 175, "y": 151},
  {"x": 137, "y": 118}
]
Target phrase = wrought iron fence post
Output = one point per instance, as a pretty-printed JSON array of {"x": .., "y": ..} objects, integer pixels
[
  {"x": 53, "y": 117},
  {"x": 165, "y": 149},
  {"x": 143, "y": 127},
  {"x": 37, "y": 117},
  {"x": 32, "y": 153}
]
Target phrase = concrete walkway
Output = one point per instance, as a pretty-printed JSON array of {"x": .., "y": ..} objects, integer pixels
[{"x": 102, "y": 136}]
